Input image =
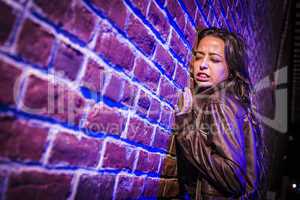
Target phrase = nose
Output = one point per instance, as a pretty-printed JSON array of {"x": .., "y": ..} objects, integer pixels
[{"x": 204, "y": 64}]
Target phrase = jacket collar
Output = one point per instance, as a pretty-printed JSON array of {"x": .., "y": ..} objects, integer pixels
[{"x": 216, "y": 92}]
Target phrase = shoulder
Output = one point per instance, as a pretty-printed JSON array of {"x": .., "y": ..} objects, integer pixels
[{"x": 230, "y": 104}]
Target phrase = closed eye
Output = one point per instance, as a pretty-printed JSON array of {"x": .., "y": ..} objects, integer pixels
[
  {"x": 198, "y": 58},
  {"x": 215, "y": 60},
  {"x": 197, "y": 55}
]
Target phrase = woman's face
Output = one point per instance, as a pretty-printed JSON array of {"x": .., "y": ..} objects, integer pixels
[{"x": 209, "y": 64}]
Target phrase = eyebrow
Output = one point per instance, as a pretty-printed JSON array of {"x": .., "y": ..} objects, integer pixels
[{"x": 211, "y": 53}]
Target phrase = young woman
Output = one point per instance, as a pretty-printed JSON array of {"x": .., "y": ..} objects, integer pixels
[{"x": 218, "y": 140}]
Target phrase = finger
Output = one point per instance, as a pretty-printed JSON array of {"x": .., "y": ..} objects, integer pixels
[
  {"x": 187, "y": 100},
  {"x": 180, "y": 102}
]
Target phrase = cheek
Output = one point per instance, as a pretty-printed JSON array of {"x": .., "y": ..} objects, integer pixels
[
  {"x": 219, "y": 73},
  {"x": 194, "y": 68},
  {"x": 225, "y": 73},
  {"x": 194, "y": 65}
]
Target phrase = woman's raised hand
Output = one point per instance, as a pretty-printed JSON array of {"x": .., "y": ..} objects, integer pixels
[{"x": 185, "y": 102}]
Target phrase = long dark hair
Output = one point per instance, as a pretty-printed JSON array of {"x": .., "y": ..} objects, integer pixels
[{"x": 237, "y": 61}]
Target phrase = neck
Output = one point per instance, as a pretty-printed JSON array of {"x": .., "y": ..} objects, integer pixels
[
  {"x": 211, "y": 89},
  {"x": 199, "y": 89}
]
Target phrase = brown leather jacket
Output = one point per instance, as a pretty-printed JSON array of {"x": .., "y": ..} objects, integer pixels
[{"x": 216, "y": 147}]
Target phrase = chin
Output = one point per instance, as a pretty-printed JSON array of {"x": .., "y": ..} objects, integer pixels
[{"x": 204, "y": 84}]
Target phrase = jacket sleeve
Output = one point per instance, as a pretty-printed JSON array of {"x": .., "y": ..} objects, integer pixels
[{"x": 216, "y": 148}]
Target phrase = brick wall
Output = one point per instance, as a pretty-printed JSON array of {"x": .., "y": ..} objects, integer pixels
[{"x": 88, "y": 88}]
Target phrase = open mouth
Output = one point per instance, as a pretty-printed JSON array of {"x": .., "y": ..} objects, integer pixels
[{"x": 202, "y": 76}]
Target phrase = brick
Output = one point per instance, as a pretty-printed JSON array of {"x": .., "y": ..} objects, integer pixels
[
  {"x": 7, "y": 21},
  {"x": 225, "y": 3},
  {"x": 191, "y": 7},
  {"x": 190, "y": 33},
  {"x": 9, "y": 77},
  {"x": 154, "y": 110},
  {"x": 239, "y": 10},
  {"x": 118, "y": 156},
  {"x": 177, "y": 45},
  {"x": 38, "y": 185},
  {"x": 211, "y": 17},
  {"x": 218, "y": 11},
  {"x": 165, "y": 116},
  {"x": 95, "y": 187},
  {"x": 109, "y": 46},
  {"x": 129, "y": 95},
  {"x": 74, "y": 106},
  {"x": 148, "y": 162},
  {"x": 140, "y": 36},
  {"x": 129, "y": 187},
  {"x": 168, "y": 167},
  {"x": 231, "y": 23},
  {"x": 55, "y": 10},
  {"x": 70, "y": 105},
  {"x": 143, "y": 103},
  {"x": 234, "y": 16},
  {"x": 171, "y": 188},
  {"x": 139, "y": 131},
  {"x": 177, "y": 13},
  {"x": 146, "y": 74},
  {"x": 142, "y": 5},
  {"x": 172, "y": 118},
  {"x": 114, "y": 89},
  {"x": 188, "y": 58},
  {"x": 243, "y": 23},
  {"x": 35, "y": 44},
  {"x": 161, "y": 139},
  {"x": 181, "y": 76},
  {"x": 68, "y": 150},
  {"x": 20, "y": 140},
  {"x": 114, "y": 9},
  {"x": 52, "y": 100},
  {"x": 71, "y": 16},
  {"x": 67, "y": 61},
  {"x": 164, "y": 59},
  {"x": 104, "y": 119},
  {"x": 94, "y": 76},
  {"x": 200, "y": 23},
  {"x": 205, "y": 8},
  {"x": 153, "y": 188},
  {"x": 168, "y": 91},
  {"x": 80, "y": 22},
  {"x": 159, "y": 20},
  {"x": 39, "y": 89}
]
